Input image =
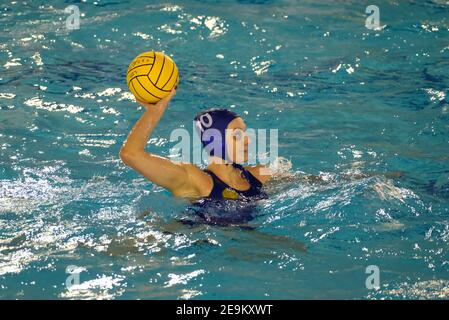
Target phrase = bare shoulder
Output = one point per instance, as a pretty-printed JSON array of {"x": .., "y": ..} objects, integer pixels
[
  {"x": 197, "y": 184},
  {"x": 261, "y": 172}
]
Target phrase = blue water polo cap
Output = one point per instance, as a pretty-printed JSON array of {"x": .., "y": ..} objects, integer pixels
[{"x": 217, "y": 120}]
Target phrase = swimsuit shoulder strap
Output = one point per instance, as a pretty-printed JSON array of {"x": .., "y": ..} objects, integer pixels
[
  {"x": 253, "y": 181},
  {"x": 220, "y": 189},
  {"x": 218, "y": 185}
]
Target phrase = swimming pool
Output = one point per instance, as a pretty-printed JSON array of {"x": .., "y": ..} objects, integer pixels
[{"x": 345, "y": 99}]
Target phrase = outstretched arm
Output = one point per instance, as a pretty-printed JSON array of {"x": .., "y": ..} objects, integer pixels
[
  {"x": 161, "y": 171},
  {"x": 262, "y": 172},
  {"x": 310, "y": 178}
]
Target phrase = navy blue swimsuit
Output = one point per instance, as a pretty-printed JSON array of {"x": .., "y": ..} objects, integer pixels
[
  {"x": 221, "y": 190},
  {"x": 226, "y": 205}
]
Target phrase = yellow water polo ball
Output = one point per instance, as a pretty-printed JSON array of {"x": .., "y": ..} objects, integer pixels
[{"x": 151, "y": 76}]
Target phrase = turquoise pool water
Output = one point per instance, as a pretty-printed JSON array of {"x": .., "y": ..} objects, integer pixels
[{"x": 346, "y": 100}]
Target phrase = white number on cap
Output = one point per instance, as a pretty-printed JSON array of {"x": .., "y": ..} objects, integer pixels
[{"x": 205, "y": 124}]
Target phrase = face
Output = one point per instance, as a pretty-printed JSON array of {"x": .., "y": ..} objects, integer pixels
[{"x": 237, "y": 140}]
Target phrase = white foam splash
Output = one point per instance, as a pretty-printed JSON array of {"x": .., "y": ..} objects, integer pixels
[
  {"x": 16, "y": 261},
  {"x": 171, "y": 8},
  {"x": 37, "y": 59},
  {"x": 7, "y": 95},
  {"x": 260, "y": 67},
  {"x": 436, "y": 94},
  {"x": 216, "y": 25},
  {"x": 52, "y": 106},
  {"x": 430, "y": 289},
  {"x": 109, "y": 92},
  {"x": 280, "y": 166},
  {"x": 94, "y": 289},
  {"x": 182, "y": 278},
  {"x": 12, "y": 63},
  {"x": 142, "y": 35}
]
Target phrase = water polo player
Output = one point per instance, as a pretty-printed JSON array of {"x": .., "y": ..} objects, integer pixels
[{"x": 225, "y": 177}]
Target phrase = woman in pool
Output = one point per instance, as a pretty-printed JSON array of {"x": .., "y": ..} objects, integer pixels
[{"x": 225, "y": 177}]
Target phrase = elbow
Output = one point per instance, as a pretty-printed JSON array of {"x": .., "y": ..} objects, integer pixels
[{"x": 127, "y": 155}]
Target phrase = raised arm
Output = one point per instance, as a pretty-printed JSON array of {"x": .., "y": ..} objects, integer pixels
[{"x": 162, "y": 171}]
